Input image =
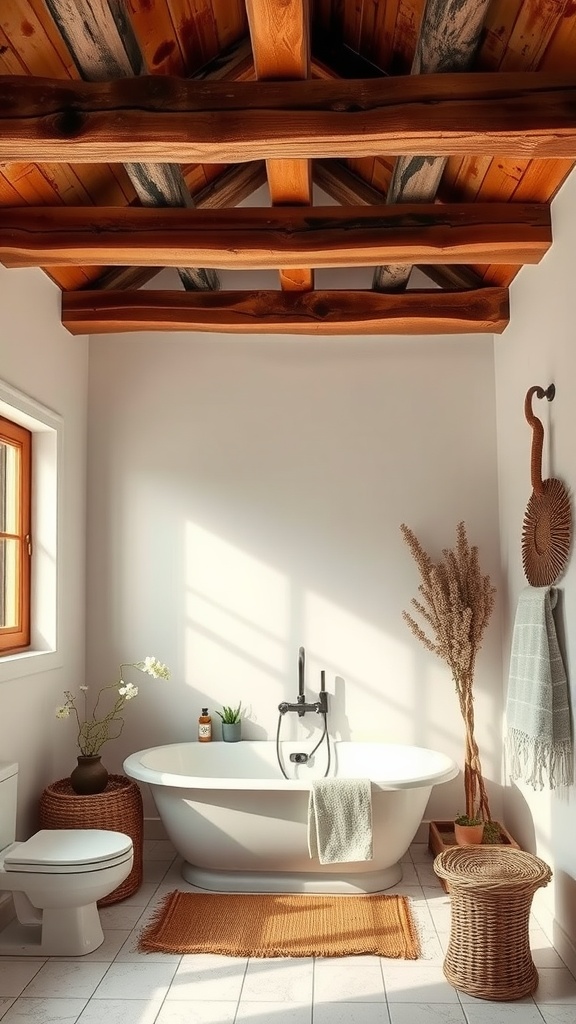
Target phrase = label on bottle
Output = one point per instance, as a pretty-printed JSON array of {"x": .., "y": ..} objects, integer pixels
[{"x": 204, "y": 730}]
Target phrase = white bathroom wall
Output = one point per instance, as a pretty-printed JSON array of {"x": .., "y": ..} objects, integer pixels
[
  {"x": 38, "y": 357},
  {"x": 245, "y": 497},
  {"x": 538, "y": 348}
]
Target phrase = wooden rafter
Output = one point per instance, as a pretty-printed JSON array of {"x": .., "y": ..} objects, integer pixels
[
  {"x": 277, "y": 312},
  {"x": 347, "y": 188},
  {"x": 228, "y": 189},
  {"x": 263, "y": 239},
  {"x": 103, "y": 45},
  {"x": 166, "y": 119},
  {"x": 449, "y": 35},
  {"x": 280, "y": 33}
]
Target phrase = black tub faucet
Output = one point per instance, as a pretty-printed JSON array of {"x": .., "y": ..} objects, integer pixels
[{"x": 302, "y": 706}]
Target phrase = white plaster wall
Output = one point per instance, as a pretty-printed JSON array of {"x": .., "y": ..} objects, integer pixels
[
  {"x": 538, "y": 348},
  {"x": 245, "y": 497},
  {"x": 40, "y": 358}
]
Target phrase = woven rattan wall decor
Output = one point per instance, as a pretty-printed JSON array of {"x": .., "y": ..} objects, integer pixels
[{"x": 547, "y": 528}]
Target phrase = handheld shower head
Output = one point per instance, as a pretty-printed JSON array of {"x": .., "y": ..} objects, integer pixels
[{"x": 301, "y": 666}]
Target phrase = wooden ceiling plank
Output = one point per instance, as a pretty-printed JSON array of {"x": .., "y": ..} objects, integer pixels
[
  {"x": 276, "y": 312},
  {"x": 539, "y": 183},
  {"x": 337, "y": 181},
  {"x": 10, "y": 62},
  {"x": 523, "y": 114},
  {"x": 559, "y": 55},
  {"x": 498, "y": 27},
  {"x": 9, "y": 195},
  {"x": 501, "y": 180},
  {"x": 463, "y": 176},
  {"x": 448, "y": 39},
  {"x": 154, "y": 29},
  {"x": 382, "y": 175},
  {"x": 234, "y": 185},
  {"x": 280, "y": 34},
  {"x": 541, "y": 180},
  {"x": 196, "y": 31},
  {"x": 68, "y": 278},
  {"x": 377, "y": 32},
  {"x": 533, "y": 29},
  {"x": 231, "y": 21},
  {"x": 101, "y": 40},
  {"x": 262, "y": 239},
  {"x": 406, "y": 31},
  {"x": 30, "y": 40}
]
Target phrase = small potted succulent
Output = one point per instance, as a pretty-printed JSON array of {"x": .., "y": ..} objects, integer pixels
[
  {"x": 231, "y": 723},
  {"x": 468, "y": 831}
]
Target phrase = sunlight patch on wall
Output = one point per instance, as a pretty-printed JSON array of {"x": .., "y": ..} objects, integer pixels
[
  {"x": 355, "y": 645},
  {"x": 237, "y": 615},
  {"x": 236, "y": 582}
]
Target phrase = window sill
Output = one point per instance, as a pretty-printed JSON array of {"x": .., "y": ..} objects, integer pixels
[{"x": 26, "y": 663}]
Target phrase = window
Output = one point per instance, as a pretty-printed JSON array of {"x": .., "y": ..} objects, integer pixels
[
  {"x": 22, "y": 417},
  {"x": 15, "y": 539}
]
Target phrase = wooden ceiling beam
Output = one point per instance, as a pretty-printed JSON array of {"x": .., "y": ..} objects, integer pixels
[
  {"x": 100, "y": 38},
  {"x": 339, "y": 182},
  {"x": 280, "y": 34},
  {"x": 263, "y": 239},
  {"x": 449, "y": 36},
  {"x": 277, "y": 312},
  {"x": 520, "y": 114},
  {"x": 228, "y": 189}
]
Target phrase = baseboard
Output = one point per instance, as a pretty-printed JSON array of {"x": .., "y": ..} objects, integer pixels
[
  {"x": 422, "y": 833},
  {"x": 554, "y": 932},
  {"x": 154, "y": 829},
  {"x": 564, "y": 946}
]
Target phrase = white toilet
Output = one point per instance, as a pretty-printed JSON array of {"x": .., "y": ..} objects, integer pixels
[{"x": 56, "y": 878}]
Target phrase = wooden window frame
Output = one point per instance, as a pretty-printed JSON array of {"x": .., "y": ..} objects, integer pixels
[{"x": 17, "y": 638}]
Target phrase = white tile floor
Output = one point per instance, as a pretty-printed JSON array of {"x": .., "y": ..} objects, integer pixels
[{"x": 118, "y": 985}]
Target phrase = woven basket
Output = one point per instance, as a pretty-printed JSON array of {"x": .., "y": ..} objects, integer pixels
[
  {"x": 491, "y": 890},
  {"x": 117, "y": 809}
]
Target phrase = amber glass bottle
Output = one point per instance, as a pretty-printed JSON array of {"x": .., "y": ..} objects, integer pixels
[{"x": 204, "y": 727}]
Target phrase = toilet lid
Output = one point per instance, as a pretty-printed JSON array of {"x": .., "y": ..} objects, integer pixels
[{"x": 69, "y": 849}]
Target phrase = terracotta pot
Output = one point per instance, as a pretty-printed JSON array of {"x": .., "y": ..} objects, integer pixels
[
  {"x": 469, "y": 835},
  {"x": 89, "y": 775}
]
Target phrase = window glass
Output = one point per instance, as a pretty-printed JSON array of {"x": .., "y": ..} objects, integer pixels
[{"x": 15, "y": 539}]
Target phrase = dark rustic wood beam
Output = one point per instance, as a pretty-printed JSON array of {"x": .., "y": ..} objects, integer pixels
[
  {"x": 339, "y": 182},
  {"x": 449, "y": 36},
  {"x": 161, "y": 119},
  {"x": 99, "y": 35},
  {"x": 228, "y": 189},
  {"x": 280, "y": 34},
  {"x": 264, "y": 238},
  {"x": 277, "y": 312}
]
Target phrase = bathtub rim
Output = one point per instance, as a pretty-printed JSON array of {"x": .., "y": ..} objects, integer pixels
[{"x": 134, "y": 768}]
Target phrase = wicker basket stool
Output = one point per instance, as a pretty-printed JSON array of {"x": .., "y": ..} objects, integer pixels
[
  {"x": 117, "y": 809},
  {"x": 491, "y": 891}
]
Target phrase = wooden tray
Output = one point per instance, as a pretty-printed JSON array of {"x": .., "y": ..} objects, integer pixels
[{"x": 441, "y": 837}]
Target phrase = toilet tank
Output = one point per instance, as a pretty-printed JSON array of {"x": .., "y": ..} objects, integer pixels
[{"x": 8, "y": 795}]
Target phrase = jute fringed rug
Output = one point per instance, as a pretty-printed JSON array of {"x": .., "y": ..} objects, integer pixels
[{"x": 258, "y": 925}]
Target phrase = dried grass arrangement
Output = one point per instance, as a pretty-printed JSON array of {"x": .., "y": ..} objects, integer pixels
[{"x": 456, "y": 602}]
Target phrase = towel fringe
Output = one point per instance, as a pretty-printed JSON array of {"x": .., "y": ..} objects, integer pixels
[{"x": 540, "y": 762}]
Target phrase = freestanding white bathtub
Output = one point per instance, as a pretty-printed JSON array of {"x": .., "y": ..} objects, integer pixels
[{"x": 241, "y": 826}]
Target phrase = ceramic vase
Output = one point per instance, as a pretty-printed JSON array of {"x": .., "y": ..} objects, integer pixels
[
  {"x": 89, "y": 776},
  {"x": 231, "y": 731}
]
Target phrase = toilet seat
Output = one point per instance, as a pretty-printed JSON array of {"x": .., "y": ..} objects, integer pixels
[{"x": 69, "y": 851}]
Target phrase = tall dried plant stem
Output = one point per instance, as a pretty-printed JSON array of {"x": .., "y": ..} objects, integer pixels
[{"x": 456, "y": 604}]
